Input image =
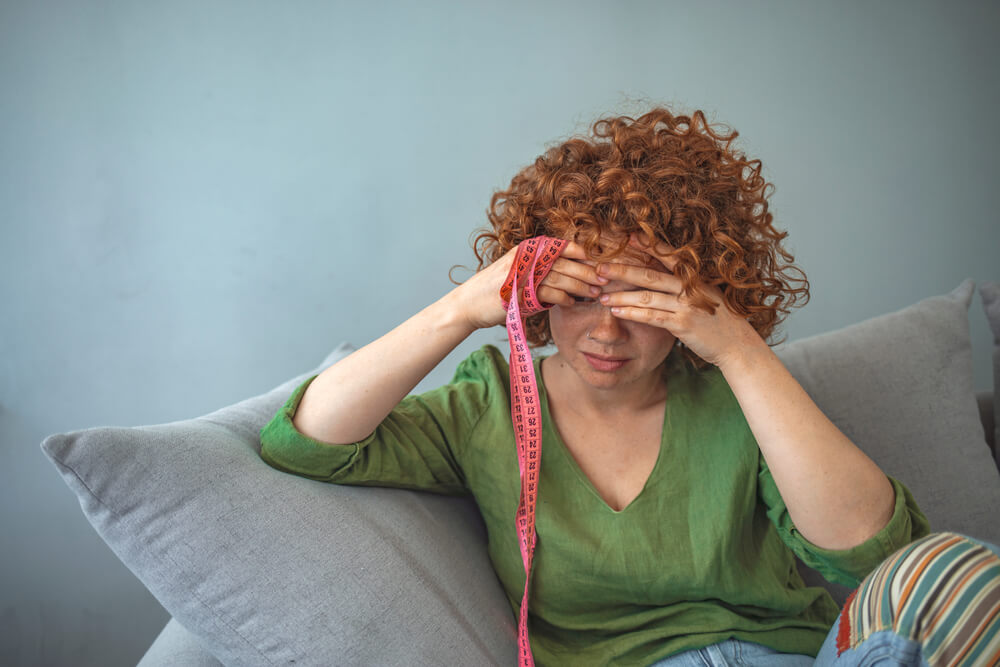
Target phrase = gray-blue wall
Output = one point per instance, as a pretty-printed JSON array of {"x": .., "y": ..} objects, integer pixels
[{"x": 200, "y": 199}]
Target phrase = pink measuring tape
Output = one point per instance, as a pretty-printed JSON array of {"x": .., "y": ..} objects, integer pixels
[{"x": 533, "y": 261}]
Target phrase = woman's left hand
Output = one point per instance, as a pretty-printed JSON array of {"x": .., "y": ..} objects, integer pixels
[{"x": 715, "y": 337}]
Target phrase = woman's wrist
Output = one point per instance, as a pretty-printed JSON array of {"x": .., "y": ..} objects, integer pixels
[
  {"x": 747, "y": 352},
  {"x": 455, "y": 313},
  {"x": 473, "y": 305}
]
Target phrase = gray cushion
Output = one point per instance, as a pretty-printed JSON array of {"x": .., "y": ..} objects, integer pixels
[
  {"x": 985, "y": 399},
  {"x": 989, "y": 292},
  {"x": 267, "y": 568},
  {"x": 175, "y": 645},
  {"x": 900, "y": 386}
]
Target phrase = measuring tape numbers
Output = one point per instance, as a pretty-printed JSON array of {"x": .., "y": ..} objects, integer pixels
[{"x": 533, "y": 261}]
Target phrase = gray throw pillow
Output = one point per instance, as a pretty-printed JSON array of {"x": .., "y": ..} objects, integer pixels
[
  {"x": 268, "y": 568},
  {"x": 989, "y": 292},
  {"x": 174, "y": 646},
  {"x": 900, "y": 386}
]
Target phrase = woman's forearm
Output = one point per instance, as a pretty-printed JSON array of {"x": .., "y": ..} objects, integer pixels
[
  {"x": 347, "y": 401},
  {"x": 836, "y": 496}
]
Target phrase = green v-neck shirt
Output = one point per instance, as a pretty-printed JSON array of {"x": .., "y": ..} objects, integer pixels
[{"x": 705, "y": 552}]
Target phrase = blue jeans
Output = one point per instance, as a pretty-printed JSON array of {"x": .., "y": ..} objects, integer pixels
[
  {"x": 886, "y": 648},
  {"x": 903, "y": 645}
]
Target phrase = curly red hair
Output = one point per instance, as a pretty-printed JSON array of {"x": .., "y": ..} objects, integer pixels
[{"x": 667, "y": 178}]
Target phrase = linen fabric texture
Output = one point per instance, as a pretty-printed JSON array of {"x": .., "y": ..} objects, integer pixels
[{"x": 259, "y": 567}]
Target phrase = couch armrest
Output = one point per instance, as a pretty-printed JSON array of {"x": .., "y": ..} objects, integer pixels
[{"x": 985, "y": 401}]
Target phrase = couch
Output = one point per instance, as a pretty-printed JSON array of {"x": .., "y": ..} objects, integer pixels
[{"x": 259, "y": 567}]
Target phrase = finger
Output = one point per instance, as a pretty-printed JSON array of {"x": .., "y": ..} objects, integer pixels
[
  {"x": 553, "y": 296},
  {"x": 660, "y": 250},
  {"x": 568, "y": 283},
  {"x": 651, "y": 316},
  {"x": 579, "y": 270},
  {"x": 641, "y": 276},
  {"x": 642, "y": 299}
]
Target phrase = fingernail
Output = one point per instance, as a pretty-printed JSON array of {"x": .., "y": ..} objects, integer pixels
[
  {"x": 602, "y": 269},
  {"x": 595, "y": 290},
  {"x": 605, "y": 298}
]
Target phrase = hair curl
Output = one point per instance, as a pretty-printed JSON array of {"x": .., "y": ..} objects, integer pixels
[{"x": 668, "y": 178}]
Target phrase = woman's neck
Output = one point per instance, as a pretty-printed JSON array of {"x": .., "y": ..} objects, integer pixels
[{"x": 567, "y": 388}]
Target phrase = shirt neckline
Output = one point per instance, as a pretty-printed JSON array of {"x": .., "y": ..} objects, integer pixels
[{"x": 550, "y": 433}]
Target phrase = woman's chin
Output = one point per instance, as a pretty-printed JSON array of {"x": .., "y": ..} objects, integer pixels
[{"x": 601, "y": 379}]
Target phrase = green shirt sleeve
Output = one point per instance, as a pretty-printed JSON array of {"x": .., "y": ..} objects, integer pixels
[
  {"x": 417, "y": 446},
  {"x": 847, "y": 566}
]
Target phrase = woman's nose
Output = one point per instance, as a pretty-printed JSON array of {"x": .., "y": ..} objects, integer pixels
[{"x": 607, "y": 329}]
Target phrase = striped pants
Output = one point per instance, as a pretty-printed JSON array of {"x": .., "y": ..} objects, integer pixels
[{"x": 934, "y": 602}]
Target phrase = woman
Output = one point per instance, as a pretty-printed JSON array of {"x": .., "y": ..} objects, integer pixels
[{"x": 683, "y": 465}]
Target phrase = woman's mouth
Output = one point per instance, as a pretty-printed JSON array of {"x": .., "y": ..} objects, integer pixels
[{"x": 604, "y": 363}]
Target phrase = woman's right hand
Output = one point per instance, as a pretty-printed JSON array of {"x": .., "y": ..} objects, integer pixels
[
  {"x": 351, "y": 398},
  {"x": 572, "y": 277}
]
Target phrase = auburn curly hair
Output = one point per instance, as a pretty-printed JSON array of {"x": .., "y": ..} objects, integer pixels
[{"x": 668, "y": 178}]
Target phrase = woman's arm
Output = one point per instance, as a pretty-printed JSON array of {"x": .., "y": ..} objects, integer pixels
[
  {"x": 836, "y": 496},
  {"x": 347, "y": 401}
]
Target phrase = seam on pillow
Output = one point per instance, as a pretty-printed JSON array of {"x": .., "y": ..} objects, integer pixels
[{"x": 65, "y": 466}]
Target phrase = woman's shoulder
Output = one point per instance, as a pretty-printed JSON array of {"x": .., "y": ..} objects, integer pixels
[
  {"x": 703, "y": 383},
  {"x": 702, "y": 390},
  {"x": 701, "y": 402},
  {"x": 480, "y": 384},
  {"x": 487, "y": 364}
]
